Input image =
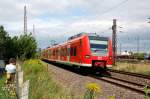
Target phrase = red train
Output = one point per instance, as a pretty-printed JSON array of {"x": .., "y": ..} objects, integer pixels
[{"x": 82, "y": 50}]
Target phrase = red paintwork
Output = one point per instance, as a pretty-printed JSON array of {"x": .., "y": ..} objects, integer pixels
[{"x": 59, "y": 52}]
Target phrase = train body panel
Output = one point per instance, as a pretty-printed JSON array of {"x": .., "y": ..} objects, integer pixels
[{"x": 85, "y": 50}]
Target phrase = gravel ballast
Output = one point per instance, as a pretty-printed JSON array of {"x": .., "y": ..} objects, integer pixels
[{"x": 76, "y": 83}]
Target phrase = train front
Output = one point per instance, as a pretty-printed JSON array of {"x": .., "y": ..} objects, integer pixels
[{"x": 99, "y": 51}]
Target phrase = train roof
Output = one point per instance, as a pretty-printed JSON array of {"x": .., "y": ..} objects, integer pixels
[
  {"x": 77, "y": 36},
  {"x": 88, "y": 34}
]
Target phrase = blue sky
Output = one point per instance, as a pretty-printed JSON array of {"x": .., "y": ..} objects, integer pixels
[{"x": 59, "y": 19}]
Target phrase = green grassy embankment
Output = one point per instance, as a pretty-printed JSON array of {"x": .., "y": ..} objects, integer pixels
[
  {"x": 143, "y": 68},
  {"x": 42, "y": 85}
]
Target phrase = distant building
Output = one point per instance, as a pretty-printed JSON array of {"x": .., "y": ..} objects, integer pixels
[
  {"x": 147, "y": 56},
  {"x": 125, "y": 53}
]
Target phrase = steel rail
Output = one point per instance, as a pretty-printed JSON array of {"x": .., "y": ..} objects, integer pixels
[
  {"x": 119, "y": 84},
  {"x": 130, "y": 73},
  {"x": 133, "y": 83}
]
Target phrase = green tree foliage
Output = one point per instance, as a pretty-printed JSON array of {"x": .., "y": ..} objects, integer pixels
[
  {"x": 139, "y": 55},
  {"x": 23, "y": 47},
  {"x": 3, "y": 41},
  {"x": 27, "y": 46}
]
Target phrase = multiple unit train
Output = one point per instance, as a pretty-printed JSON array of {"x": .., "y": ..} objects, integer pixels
[{"x": 82, "y": 50}]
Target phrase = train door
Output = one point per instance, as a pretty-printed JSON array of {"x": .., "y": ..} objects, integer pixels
[
  {"x": 79, "y": 51},
  {"x": 68, "y": 53}
]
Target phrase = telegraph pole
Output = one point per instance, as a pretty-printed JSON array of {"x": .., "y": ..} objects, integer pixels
[
  {"x": 114, "y": 41},
  {"x": 25, "y": 19},
  {"x": 33, "y": 33},
  {"x": 120, "y": 48},
  {"x": 138, "y": 44}
]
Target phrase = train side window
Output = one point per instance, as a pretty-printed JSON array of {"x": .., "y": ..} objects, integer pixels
[
  {"x": 71, "y": 51},
  {"x": 65, "y": 51},
  {"x": 75, "y": 51},
  {"x": 54, "y": 52},
  {"x": 68, "y": 52},
  {"x": 61, "y": 52}
]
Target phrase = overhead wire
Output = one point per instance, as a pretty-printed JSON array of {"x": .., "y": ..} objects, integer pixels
[{"x": 114, "y": 7}]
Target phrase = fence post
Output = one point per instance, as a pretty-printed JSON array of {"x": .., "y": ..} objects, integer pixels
[{"x": 22, "y": 88}]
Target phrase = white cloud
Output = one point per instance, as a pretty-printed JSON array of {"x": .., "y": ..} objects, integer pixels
[{"x": 62, "y": 18}]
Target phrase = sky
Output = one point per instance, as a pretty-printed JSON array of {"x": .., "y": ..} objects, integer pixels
[{"x": 59, "y": 19}]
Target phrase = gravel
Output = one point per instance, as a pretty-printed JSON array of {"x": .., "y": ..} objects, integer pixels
[{"x": 76, "y": 83}]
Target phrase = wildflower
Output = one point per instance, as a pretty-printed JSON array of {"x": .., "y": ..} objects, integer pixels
[
  {"x": 4, "y": 88},
  {"x": 94, "y": 87},
  {"x": 112, "y": 97},
  {"x": 12, "y": 93}
]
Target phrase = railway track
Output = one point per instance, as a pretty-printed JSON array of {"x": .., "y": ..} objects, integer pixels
[
  {"x": 129, "y": 73},
  {"x": 132, "y": 81},
  {"x": 127, "y": 85},
  {"x": 136, "y": 78},
  {"x": 127, "y": 80}
]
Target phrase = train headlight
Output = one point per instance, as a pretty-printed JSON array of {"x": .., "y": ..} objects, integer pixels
[
  {"x": 110, "y": 57},
  {"x": 87, "y": 56}
]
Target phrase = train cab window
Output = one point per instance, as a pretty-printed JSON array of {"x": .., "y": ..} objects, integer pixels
[{"x": 99, "y": 45}]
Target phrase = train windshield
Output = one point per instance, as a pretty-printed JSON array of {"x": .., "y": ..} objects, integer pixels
[{"x": 99, "y": 45}]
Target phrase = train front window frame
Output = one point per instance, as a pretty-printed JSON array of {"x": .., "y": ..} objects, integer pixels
[{"x": 98, "y": 45}]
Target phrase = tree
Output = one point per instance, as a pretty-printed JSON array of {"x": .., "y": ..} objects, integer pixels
[
  {"x": 27, "y": 46},
  {"x": 3, "y": 40},
  {"x": 12, "y": 47}
]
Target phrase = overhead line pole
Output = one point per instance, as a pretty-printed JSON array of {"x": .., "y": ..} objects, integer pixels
[
  {"x": 138, "y": 44},
  {"x": 120, "y": 48},
  {"x": 33, "y": 33},
  {"x": 25, "y": 19},
  {"x": 114, "y": 41}
]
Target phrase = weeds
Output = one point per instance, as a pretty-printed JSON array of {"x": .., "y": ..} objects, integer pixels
[
  {"x": 132, "y": 67},
  {"x": 147, "y": 91},
  {"x": 42, "y": 86}
]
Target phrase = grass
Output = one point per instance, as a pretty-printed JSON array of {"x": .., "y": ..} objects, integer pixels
[
  {"x": 5, "y": 92},
  {"x": 42, "y": 86},
  {"x": 142, "y": 68}
]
